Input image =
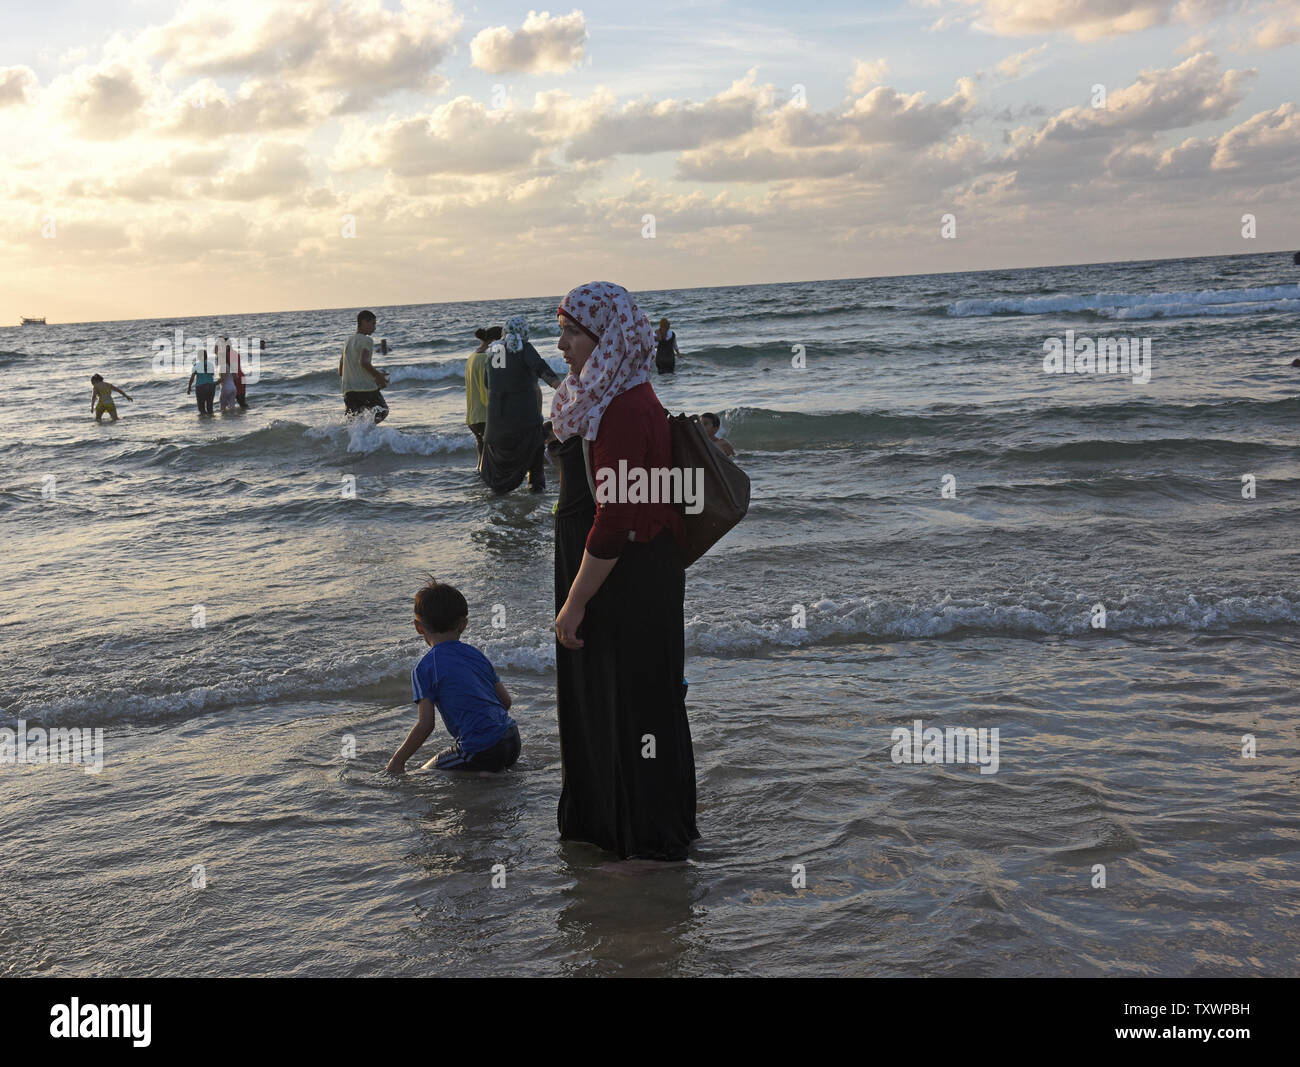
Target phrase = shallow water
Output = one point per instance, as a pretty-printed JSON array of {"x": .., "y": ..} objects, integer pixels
[{"x": 224, "y": 744}]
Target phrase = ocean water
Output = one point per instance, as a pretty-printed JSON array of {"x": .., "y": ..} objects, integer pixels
[{"x": 935, "y": 523}]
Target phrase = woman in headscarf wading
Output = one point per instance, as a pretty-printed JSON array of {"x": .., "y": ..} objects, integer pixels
[
  {"x": 512, "y": 438},
  {"x": 620, "y": 585}
]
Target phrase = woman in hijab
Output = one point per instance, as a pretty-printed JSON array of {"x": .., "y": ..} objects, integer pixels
[
  {"x": 666, "y": 350},
  {"x": 620, "y": 586},
  {"x": 512, "y": 438}
]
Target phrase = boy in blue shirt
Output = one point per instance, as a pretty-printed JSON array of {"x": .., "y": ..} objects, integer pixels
[{"x": 458, "y": 680}]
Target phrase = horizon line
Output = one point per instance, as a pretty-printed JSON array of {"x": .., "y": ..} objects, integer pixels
[{"x": 676, "y": 289}]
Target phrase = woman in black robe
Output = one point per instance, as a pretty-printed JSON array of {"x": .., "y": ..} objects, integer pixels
[
  {"x": 620, "y": 584},
  {"x": 512, "y": 439}
]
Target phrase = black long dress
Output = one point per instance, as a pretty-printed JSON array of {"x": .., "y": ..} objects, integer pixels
[
  {"x": 666, "y": 354},
  {"x": 625, "y": 683},
  {"x": 513, "y": 438}
]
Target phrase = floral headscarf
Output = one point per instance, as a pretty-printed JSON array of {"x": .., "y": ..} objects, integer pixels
[
  {"x": 619, "y": 362},
  {"x": 516, "y": 333}
]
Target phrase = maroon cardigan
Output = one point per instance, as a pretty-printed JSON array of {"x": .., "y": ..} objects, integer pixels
[{"x": 634, "y": 428}]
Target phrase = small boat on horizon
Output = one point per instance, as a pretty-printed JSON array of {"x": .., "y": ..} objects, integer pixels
[{"x": 32, "y": 322}]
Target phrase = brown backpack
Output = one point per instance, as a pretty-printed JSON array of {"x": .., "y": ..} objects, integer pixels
[{"x": 725, "y": 490}]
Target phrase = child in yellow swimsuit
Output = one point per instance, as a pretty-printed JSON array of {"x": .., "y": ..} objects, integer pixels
[{"x": 101, "y": 397}]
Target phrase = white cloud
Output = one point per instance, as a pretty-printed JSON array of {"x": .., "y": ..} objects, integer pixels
[
  {"x": 273, "y": 169},
  {"x": 791, "y": 143},
  {"x": 1088, "y": 19},
  {"x": 887, "y": 116},
  {"x": 1116, "y": 152},
  {"x": 1167, "y": 99},
  {"x": 357, "y": 49},
  {"x": 646, "y": 126},
  {"x": 1196, "y": 43},
  {"x": 543, "y": 45},
  {"x": 16, "y": 85},
  {"x": 1266, "y": 145},
  {"x": 1014, "y": 65},
  {"x": 105, "y": 101},
  {"x": 867, "y": 74},
  {"x": 1254, "y": 155},
  {"x": 205, "y": 110},
  {"x": 1278, "y": 31},
  {"x": 462, "y": 137}
]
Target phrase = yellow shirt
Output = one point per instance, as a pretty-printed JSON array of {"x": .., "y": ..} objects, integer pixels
[
  {"x": 356, "y": 379},
  {"x": 476, "y": 388}
]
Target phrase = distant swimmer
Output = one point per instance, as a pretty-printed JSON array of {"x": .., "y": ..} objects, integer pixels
[
  {"x": 360, "y": 379},
  {"x": 233, "y": 366},
  {"x": 1296, "y": 259},
  {"x": 712, "y": 425},
  {"x": 666, "y": 350},
  {"x": 101, "y": 398},
  {"x": 202, "y": 381},
  {"x": 228, "y": 391},
  {"x": 1295, "y": 363}
]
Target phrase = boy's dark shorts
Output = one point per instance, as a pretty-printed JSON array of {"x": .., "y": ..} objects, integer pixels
[
  {"x": 499, "y": 757},
  {"x": 359, "y": 402}
]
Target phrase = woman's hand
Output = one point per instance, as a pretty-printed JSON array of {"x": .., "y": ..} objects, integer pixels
[
  {"x": 591, "y": 576},
  {"x": 567, "y": 623}
]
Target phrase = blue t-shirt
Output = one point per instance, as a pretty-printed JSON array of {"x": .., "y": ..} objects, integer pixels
[{"x": 461, "y": 683}]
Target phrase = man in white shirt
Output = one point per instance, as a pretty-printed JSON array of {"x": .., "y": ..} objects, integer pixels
[{"x": 360, "y": 379}]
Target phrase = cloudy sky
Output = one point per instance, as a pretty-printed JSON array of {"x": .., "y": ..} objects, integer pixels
[{"x": 227, "y": 156}]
